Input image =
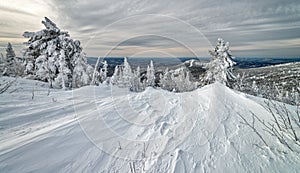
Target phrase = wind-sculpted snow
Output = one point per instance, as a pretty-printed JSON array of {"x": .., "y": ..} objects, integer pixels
[{"x": 108, "y": 129}]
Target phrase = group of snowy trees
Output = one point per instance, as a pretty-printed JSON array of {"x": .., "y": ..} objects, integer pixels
[
  {"x": 219, "y": 69},
  {"x": 273, "y": 91},
  {"x": 172, "y": 80},
  {"x": 52, "y": 56},
  {"x": 177, "y": 80},
  {"x": 124, "y": 76}
]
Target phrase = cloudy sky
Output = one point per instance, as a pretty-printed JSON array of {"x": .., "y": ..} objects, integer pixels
[{"x": 254, "y": 28}]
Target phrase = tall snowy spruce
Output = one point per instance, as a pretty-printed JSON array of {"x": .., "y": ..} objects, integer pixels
[
  {"x": 10, "y": 65},
  {"x": 136, "y": 82},
  {"x": 220, "y": 67},
  {"x": 52, "y": 56},
  {"x": 150, "y": 75},
  {"x": 103, "y": 72},
  {"x": 10, "y": 54},
  {"x": 115, "y": 77}
]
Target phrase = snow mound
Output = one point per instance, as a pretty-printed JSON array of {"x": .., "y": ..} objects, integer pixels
[{"x": 108, "y": 129}]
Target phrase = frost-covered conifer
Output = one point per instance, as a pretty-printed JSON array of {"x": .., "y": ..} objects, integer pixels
[
  {"x": 150, "y": 75},
  {"x": 167, "y": 80},
  {"x": 1, "y": 58},
  {"x": 103, "y": 72},
  {"x": 52, "y": 56},
  {"x": 219, "y": 68},
  {"x": 136, "y": 84},
  {"x": 96, "y": 74},
  {"x": 82, "y": 73},
  {"x": 9, "y": 62},
  {"x": 255, "y": 88},
  {"x": 188, "y": 84},
  {"x": 125, "y": 75},
  {"x": 115, "y": 77},
  {"x": 240, "y": 82},
  {"x": 10, "y": 66},
  {"x": 10, "y": 54}
]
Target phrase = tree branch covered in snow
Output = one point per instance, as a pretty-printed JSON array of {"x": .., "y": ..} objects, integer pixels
[{"x": 52, "y": 56}]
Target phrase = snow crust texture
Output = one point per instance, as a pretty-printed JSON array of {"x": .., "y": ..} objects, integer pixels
[{"x": 109, "y": 129}]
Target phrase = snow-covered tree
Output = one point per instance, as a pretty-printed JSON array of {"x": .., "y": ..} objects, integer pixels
[
  {"x": 150, "y": 75},
  {"x": 136, "y": 84},
  {"x": 115, "y": 77},
  {"x": 123, "y": 75},
  {"x": 9, "y": 61},
  {"x": 255, "y": 88},
  {"x": 103, "y": 72},
  {"x": 96, "y": 74},
  {"x": 188, "y": 85},
  {"x": 126, "y": 78},
  {"x": 82, "y": 73},
  {"x": 127, "y": 73},
  {"x": 220, "y": 67},
  {"x": 240, "y": 82},
  {"x": 11, "y": 67},
  {"x": 165, "y": 81},
  {"x": 52, "y": 56},
  {"x": 1, "y": 58},
  {"x": 10, "y": 54},
  {"x": 63, "y": 78}
]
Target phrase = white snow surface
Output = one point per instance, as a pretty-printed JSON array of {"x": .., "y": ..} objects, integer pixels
[{"x": 109, "y": 129}]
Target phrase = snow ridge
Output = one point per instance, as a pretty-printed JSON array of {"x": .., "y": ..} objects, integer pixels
[{"x": 109, "y": 129}]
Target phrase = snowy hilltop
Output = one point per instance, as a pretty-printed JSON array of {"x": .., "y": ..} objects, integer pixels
[
  {"x": 92, "y": 129},
  {"x": 61, "y": 114}
]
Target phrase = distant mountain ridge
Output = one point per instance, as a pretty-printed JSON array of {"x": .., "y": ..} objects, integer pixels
[{"x": 242, "y": 62}]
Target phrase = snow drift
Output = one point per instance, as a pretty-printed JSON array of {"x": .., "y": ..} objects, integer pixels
[{"x": 108, "y": 129}]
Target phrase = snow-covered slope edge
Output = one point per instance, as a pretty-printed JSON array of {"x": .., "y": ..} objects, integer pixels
[{"x": 103, "y": 129}]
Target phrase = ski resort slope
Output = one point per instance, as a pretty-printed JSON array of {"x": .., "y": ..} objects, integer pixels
[{"x": 108, "y": 129}]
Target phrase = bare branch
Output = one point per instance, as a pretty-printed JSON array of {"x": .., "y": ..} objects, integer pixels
[
  {"x": 253, "y": 128},
  {"x": 6, "y": 86}
]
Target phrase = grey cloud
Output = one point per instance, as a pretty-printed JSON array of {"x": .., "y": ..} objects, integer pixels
[
  {"x": 241, "y": 22},
  {"x": 15, "y": 11}
]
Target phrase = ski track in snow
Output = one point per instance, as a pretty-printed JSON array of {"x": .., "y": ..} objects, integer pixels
[{"x": 91, "y": 129}]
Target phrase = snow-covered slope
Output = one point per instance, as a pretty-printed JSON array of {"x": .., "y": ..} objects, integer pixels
[{"x": 104, "y": 129}]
